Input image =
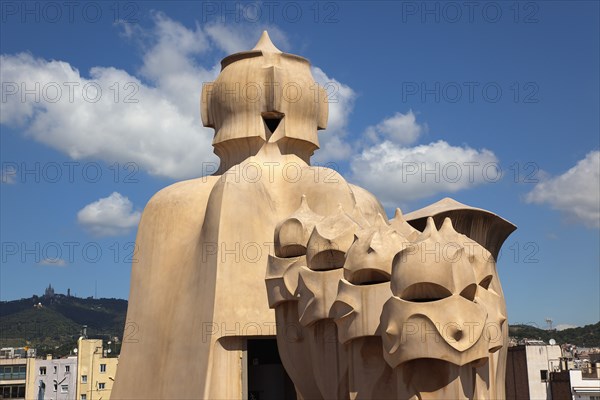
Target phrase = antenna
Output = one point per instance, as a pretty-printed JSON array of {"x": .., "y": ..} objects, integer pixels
[
  {"x": 96, "y": 290},
  {"x": 549, "y": 322}
]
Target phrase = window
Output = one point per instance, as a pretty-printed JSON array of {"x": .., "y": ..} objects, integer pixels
[
  {"x": 12, "y": 391},
  {"x": 83, "y": 397},
  {"x": 67, "y": 369},
  {"x": 101, "y": 385},
  {"x": 55, "y": 386},
  {"x": 544, "y": 375},
  {"x": 64, "y": 388},
  {"x": 13, "y": 372},
  {"x": 55, "y": 369},
  {"x": 102, "y": 367},
  {"x": 83, "y": 378},
  {"x": 42, "y": 370}
]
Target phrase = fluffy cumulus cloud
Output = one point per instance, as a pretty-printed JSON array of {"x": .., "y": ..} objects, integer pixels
[
  {"x": 151, "y": 118},
  {"x": 400, "y": 173},
  {"x": 402, "y": 129},
  {"x": 340, "y": 97},
  {"x": 576, "y": 193},
  {"x": 109, "y": 216}
]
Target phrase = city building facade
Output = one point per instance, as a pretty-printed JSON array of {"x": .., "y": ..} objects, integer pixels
[
  {"x": 95, "y": 371},
  {"x": 577, "y": 384},
  {"x": 539, "y": 371},
  {"x": 528, "y": 370},
  {"x": 52, "y": 379},
  {"x": 14, "y": 374}
]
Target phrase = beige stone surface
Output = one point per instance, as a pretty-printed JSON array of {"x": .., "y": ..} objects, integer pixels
[
  {"x": 434, "y": 326},
  {"x": 271, "y": 246}
]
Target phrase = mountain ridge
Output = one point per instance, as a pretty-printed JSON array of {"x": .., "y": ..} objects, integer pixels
[{"x": 53, "y": 323}]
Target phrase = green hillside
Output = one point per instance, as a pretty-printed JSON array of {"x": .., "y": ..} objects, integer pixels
[
  {"x": 586, "y": 336},
  {"x": 56, "y": 324}
]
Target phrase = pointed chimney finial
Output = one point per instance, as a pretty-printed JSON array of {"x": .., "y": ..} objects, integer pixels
[{"x": 265, "y": 45}]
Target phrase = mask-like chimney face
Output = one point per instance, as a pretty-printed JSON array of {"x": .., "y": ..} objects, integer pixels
[{"x": 267, "y": 95}]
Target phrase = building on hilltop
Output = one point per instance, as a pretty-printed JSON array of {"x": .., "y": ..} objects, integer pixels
[{"x": 49, "y": 292}]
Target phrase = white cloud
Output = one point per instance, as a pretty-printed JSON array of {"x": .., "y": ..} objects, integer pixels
[
  {"x": 155, "y": 124},
  {"x": 576, "y": 193},
  {"x": 109, "y": 216},
  {"x": 333, "y": 142},
  {"x": 399, "y": 174},
  {"x": 151, "y": 119},
  {"x": 562, "y": 327},
  {"x": 55, "y": 262},
  {"x": 401, "y": 129},
  {"x": 161, "y": 130},
  {"x": 243, "y": 38}
]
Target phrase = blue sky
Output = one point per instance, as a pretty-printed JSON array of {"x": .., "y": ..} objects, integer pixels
[{"x": 492, "y": 85}]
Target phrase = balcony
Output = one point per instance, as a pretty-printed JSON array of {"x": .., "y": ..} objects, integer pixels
[{"x": 13, "y": 372}]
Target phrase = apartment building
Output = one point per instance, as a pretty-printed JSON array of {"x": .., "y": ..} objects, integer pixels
[
  {"x": 95, "y": 371},
  {"x": 14, "y": 373},
  {"x": 54, "y": 379}
]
